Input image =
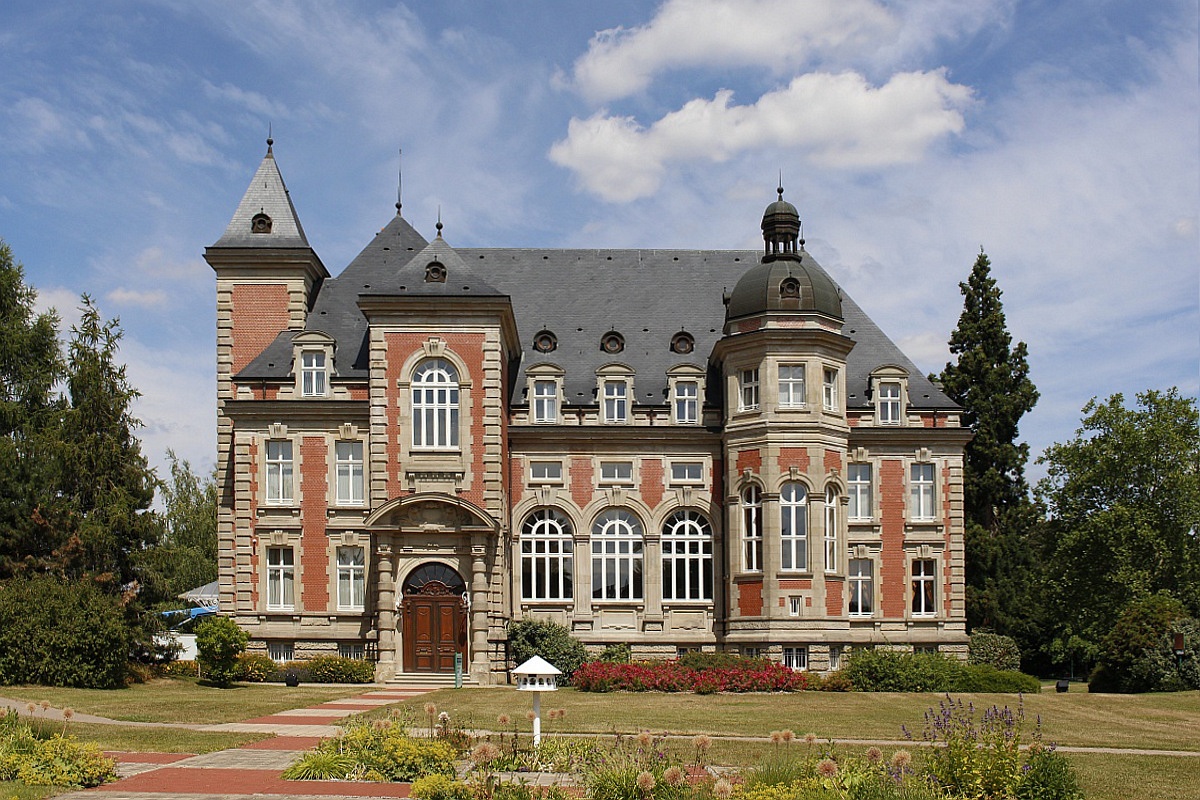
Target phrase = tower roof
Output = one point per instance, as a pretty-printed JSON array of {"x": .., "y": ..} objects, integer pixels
[{"x": 266, "y": 216}]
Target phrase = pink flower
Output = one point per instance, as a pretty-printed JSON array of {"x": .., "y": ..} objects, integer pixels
[
  {"x": 901, "y": 759},
  {"x": 645, "y": 782},
  {"x": 827, "y": 768},
  {"x": 874, "y": 755},
  {"x": 673, "y": 776}
]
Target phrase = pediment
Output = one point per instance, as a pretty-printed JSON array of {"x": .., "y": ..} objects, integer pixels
[{"x": 431, "y": 513}]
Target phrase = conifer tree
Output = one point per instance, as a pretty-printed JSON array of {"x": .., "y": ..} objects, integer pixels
[{"x": 990, "y": 380}]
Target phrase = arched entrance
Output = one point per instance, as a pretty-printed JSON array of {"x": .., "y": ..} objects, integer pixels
[{"x": 434, "y": 618}]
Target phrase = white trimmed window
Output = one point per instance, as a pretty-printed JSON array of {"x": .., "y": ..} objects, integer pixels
[
  {"x": 795, "y": 605},
  {"x": 545, "y": 472},
  {"x": 829, "y": 390},
  {"x": 862, "y": 587},
  {"x": 435, "y": 405},
  {"x": 547, "y": 556},
  {"x": 791, "y": 386},
  {"x": 687, "y": 402},
  {"x": 349, "y": 458},
  {"x": 795, "y": 658},
  {"x": 688, "y": 473},
  {"x": 858, "y": 478},
  {"x": 835, "y": 657},
  {"x": 313, "y": 374},
  {"x": 279, "y": 471},
  {"x": 793, "y": 508},
  {"x": 923, "y": 587},
  {"x": 617, "y": 556},
  {"x": 687, "y": 557},
  {"x": 921, "y": 492},
  {"x": 616, "y": 401},
  {"x": 618, "y": 473},
  {"x": 351, "y": 578},
  {"x": 748, "y": 390},
  {"x": 354, "y": 651},
  {"x": 831, "y": 530},
  {"x": 889, "y": 403},
  {"x": 752, "y": 530},
  {"x": 281, "y": 578},
  {"x": 281, "y": 652},
  {"x": 545, "y": 401}
]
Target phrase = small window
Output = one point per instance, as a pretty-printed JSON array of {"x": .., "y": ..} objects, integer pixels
[
  {"x": 612, "y": 342},
  {"x": 616, "y": 401},
  {"x": 279, "y": 472},
  {"x": 545, "y": 471},
  {"x": 545, "y": 401},
  {"x": 858, "y": 476},
  {"x": 923, "y": 587},
  {"x": 687, "y": 472},
  {"x": 354, "y": 651},
  {"x": 795, "y": 604},
  {"x": 835, "y": 657},
  {"x": 789, "y": 288},
  {"x": 687, "y": 402},
  {"x": 829, "y": 390},
  {"x": 349, "y": 457},
  {"x": 435, "y": 272},
  {"x": 862, "y": 587},
  {"x": 281, "y": 652},
  {"x": 792, "y": 386},
  {"x": 545, "y": 342},
  {"x": 281, "y": 578},
  {"x": 312, "y": 373},
  {"x": 889, "y": 404},
  {"x": 616, "y": 472},
  {"x": 752, "y": 652},
  {"x": 682, "y": 343},
  {"x": 260, "y": 223},
  {"x": 795, "y": 658},
  {"x": 925, "y": 649},
  {"x": 752, "y": 530},
  {"x": 921, "y": 492},
  {"x": 748, "y": 390}
]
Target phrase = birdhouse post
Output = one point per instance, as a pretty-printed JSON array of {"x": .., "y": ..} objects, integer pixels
[{"x": 537, "y": 675}]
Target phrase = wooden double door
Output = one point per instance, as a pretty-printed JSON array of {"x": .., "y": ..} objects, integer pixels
[{"x": 434, "y": 619}]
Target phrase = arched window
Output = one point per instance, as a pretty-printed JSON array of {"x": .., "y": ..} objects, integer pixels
[
  {"x": 793, "y": 509},
  {"x": 547, "y": 556},
  {"x": 687, "y": 557},
  {"x": 617, "y": 556},
  {"x": 435, "y": 405},
  {"x": 831, "y": 529},
  {"x": 752, "y": 530}
]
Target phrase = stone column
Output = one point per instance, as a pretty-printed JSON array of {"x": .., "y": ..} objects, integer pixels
[
  {"x": 385, "y": 608},
  {"x": 772, "y": 553},
  {"x": 479, "y": 608},
  {"x": 652, "y": 579}
]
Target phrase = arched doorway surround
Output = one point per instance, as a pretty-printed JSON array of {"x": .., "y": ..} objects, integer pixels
[{"x": 434, "y": 618}]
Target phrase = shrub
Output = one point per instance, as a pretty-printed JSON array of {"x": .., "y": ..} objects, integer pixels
[
  {"x": 892, "y": 671},
  {"x": 255, "y": 668},
  {"x": 702, "y": 661},
  {"x": 57, "y": 761},
  {"x": 986, "y": 678},
  {"x": 180, "y": 669},
  {"x": 619, "y": 653},
  {"x": 994, "y": 650},
  {"x": 551, "y": 641},
  {"x": 440, "y": 787},
  {"x": 62, "y": 633},
  {"x": 220, "y": 641},
  {"x": 1137, "y": 654},
  {"x": 334, "y": 669},
  {"x": 671, "y": 676}
]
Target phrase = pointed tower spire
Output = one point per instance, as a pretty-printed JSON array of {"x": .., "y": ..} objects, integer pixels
[{"x": 266, "y": 216}]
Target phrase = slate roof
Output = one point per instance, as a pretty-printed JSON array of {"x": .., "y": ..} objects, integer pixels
[{"x": 268, "y": 195}]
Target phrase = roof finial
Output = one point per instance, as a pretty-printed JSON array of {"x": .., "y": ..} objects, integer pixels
[
  {"x": 399, "y": 179},
  {"x": 780, "y": 189},
  {"x": 439, "y": 222},
  {"x": 270, "y": 139}
]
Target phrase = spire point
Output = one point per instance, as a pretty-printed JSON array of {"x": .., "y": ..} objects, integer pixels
[
  {"x": 439, "y": 221},
  {"x": 399, "y": 179},
  {"x": 270, "y": 140}
]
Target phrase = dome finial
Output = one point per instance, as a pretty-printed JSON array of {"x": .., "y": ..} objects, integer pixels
[
  {"x": 399, "y": 179},
  {"x": 270, "y": 139},
  {"x": 780, "y": 188},
  {"x": 439, "y": 222}
]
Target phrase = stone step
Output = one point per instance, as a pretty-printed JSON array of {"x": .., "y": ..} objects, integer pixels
[{"x": 432, "y": 680}]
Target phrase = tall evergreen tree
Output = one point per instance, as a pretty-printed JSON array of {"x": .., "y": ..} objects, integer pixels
[{"x": 990, "y": 380}]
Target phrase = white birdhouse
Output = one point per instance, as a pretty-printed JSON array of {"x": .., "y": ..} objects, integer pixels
[{"x": 537, "y": 675}]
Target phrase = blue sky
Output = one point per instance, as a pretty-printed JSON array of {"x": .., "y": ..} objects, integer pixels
[{"x": 1062, "y": 136}]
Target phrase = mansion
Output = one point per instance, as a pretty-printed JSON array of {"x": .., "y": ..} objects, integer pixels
[{"x": 439, "y": 441}]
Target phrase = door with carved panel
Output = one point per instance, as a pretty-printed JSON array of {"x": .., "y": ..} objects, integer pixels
[{"x": 433, "y": 619}]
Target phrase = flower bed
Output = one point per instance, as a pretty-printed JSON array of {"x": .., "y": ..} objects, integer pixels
[{"x": 669, "y": 676}]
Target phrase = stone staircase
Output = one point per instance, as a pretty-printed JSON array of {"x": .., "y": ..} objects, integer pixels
[{"x": 428, "y": 680}]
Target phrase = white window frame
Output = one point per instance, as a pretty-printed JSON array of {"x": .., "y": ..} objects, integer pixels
[
  {"x": 351, "y": 578},
  {"x": 281, "y": 578},
  {"x": 685, "y": 405},
  {"x": 835, "y": 656},
  {"x": 923, "y": 585},
  {"x": 618, "y": 550},
  {"x": 616, "y": 473},
  {"x": 687, "y": 557},
  {"x": 349, "y": 472},
  {"x": 752, "y": 529},
  {"x": 552, "y": 472},
  {"x": 831, "y": 530},
  {"x": 545, "y": 400},
  {"x": 615, "y": 401},
  {"x": 435, "y": 396},
  {"x": 793, "y": 529},
  {"x": 922, "y": 492},
  {"x": 748, "y": 389},
  {"x": 547, "y": 557},
  {"x": 795, "y": 657},
  {"x": 829, "y": 389},
  {"x": 314, "y": 373},
  {"x": 795, "y": 605},
  {"x": 281, "y": 652},
  {"x": 280, "y": 472},
  {"x": 860, "y": 485},
  {"x": 889, "y": 402},
  {"x": 352, "y": 650},
  {"x": 793, "y": 386},
  {"x": 681, "y": 473},
  {"x": 860, "y": 575}
]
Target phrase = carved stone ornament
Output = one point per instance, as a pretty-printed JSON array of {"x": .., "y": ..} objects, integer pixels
[{"x": 433, "y": 515}]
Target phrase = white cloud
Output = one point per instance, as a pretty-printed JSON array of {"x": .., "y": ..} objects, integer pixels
[
  {"x": 836, "y": 121},
  {"x": 144, "y": 298},
  {"x": 63, "y": 302}
]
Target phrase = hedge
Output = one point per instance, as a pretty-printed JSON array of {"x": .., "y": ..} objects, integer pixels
[
  {"x": 672, "y": 676},
  {"x": 893, "y": 671}
]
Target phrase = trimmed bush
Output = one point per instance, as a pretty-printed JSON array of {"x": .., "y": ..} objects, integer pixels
[
  {"x": 219, "y": 642},
  {"x": 551, "y": 641},
  {"x": 62, "y": 633},
  {"x": 994, "y": 650},
  {"x": 180, "y": 669},
  {"x": 334, "y": 669},
  {"x": 702, "y": 661},
  {"x": 255, "y": 668},
  {"x": 892, "y": 671}
]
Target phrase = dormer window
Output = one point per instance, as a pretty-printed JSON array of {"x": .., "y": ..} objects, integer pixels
[
  {"x": 545, "y": 342},
  {"x": 260, "y": 223},
  {"x": 313, "y": 373},
  {"x": 790, "y": 289},
  {"x": 435, "y": 272},
  {"x": 612, "y": 342},
  {"x": 614, "y": 391},
  {"x": 889, "y": 403},
  {"x": 685, "y": 387},
  {"x": 682, "y": 343},
  {"x": 889, "y": 387},
  {"x": 312, "y": 364}
]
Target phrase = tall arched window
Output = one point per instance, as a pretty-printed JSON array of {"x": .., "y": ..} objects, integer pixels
[
  {"x": 617, "y": 556},
  {"x": 793, "y": 510},
  {"x": 435, "y": 405},
  {"x": 687, "y": 557},
  {"x": 547, "y": 556},
  {"x": 831, "y": 529},
  {"x": 752, "y": 530}
]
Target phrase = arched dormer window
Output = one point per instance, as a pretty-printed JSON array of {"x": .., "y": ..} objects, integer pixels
[
  {"x": 435, "y": 405},
  {"x": 260, "y": 223}
]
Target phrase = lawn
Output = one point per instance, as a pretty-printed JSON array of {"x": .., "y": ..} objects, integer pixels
[{"x": 181, "y": 700}]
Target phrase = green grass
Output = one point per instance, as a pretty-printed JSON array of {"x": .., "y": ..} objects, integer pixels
[
  {"x": 153, "y": 740},
  {"x": 1156, "y": 721},
  {"x": 181, "y": 700},
  {"x": 14, "y": 790}
]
